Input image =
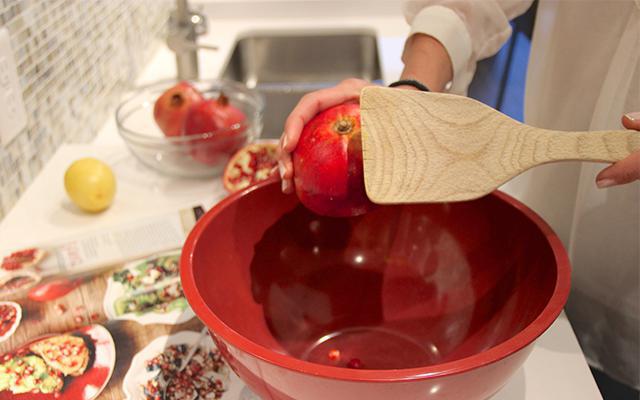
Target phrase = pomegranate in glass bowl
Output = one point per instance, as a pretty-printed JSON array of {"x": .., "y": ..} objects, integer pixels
[{"x": 154, "y": 126}]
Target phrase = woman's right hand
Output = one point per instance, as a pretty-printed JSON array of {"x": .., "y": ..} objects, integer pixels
[{"x": 310, "y": 105}]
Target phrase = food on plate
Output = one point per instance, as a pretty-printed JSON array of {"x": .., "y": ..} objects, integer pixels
[
  {"x": 68, "y": 354},
  {"x": 170, "y": 109},
  {"x": 29, "y": 374},
  {"x": 226, "y": 125},
  {"x": 327, "y": 161},
  {"x": 148, "y": 291},
  {"x": 22, "y": 259},
  {"x": 203, "y": 378},
  {"x": 68, "y": 366},
  {"x": 149, "y": 272},
  {"x": 10, "y": 316},
  {"x": 249, "y": 165},
  {"x": 16, "y": 281},
  {"x": 90, "y": 184},
  {"x": 160, "y": 300}
]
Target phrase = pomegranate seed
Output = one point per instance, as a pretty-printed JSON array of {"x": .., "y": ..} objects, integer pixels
[
  {"x": 95, "y": 316},
  {"x": 60, "y": 309},
  {"x": 11, "y": 265},
  {"x": 334, "y": 355},
  {"x": 78, "y": 319},
  {"x": 355, "y": 363}
]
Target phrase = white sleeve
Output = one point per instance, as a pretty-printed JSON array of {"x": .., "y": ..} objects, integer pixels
[{"x": 470, "y": 30}]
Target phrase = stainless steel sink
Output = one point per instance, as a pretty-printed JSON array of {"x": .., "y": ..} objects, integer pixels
[{"x": 284, "y": 65}]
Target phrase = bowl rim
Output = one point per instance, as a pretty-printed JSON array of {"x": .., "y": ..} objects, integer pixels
[
  {"x": 496, "y": 353},
  {"x": 214, "y": 84}
]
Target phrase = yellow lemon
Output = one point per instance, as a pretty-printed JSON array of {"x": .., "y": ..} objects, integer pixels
[{"x": 90, "y": 184}]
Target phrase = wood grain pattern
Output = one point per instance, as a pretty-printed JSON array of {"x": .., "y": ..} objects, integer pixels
[{"x": 434, "y": 147}]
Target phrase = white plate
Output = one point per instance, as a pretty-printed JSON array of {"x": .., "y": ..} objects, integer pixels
[
  {"x": 137, "y": 375},
  {"x": 116, "y": 290}
]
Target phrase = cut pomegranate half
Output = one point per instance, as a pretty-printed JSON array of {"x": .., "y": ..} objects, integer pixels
[{"x": 253, "y": 163}]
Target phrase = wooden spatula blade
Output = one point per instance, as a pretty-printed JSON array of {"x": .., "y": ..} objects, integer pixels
[
  {"x": 409, "y": 155},
  {"x": 435, "y": 147}
]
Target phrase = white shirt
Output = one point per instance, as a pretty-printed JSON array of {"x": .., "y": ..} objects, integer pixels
[{"x": 583, "y": 74}]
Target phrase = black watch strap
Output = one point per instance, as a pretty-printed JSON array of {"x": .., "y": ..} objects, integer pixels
[{"x": 411, "y": 82}]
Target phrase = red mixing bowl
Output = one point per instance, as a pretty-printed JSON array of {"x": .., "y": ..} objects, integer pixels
[{"x": 406, "y": 302}]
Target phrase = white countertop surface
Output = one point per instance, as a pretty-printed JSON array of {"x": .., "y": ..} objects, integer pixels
[{"x": 556, "y": 368}]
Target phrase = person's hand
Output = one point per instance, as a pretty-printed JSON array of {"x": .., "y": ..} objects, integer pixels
[
  {"x": 310, "y": 105},
  {"x": 628, "y": 169}
]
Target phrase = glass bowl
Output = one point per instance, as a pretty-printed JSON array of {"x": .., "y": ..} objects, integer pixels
[{"x": 194, "y": 156}]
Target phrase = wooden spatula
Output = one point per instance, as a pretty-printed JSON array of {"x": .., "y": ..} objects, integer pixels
[{"x": 434, "y": 147}]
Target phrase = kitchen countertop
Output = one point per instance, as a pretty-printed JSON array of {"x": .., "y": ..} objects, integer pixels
[{"x": 556, "y": 368}]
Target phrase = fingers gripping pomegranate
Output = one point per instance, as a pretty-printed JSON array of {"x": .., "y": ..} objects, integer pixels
[
  {"x": 170, "y": 109},
  {"x": 327, "y": 163}
]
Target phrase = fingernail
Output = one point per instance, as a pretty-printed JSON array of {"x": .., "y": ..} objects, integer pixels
[
  {"x": 281, "y": 169},
  {"x": 633, "y": 116},
  {"x": 285, "y": 185},
  {"x": 605, "y": 183}
]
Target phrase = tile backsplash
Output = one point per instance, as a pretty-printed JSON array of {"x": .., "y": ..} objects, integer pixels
[{"x": 74, "y": 59}]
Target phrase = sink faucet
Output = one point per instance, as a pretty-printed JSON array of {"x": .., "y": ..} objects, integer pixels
[{"x": 185, "y": 26}]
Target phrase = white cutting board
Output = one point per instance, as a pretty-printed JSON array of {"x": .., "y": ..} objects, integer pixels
[{"x": 44, "y": 212}]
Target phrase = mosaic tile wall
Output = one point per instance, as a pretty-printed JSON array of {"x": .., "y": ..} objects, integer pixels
[{"x": 74, "y": 59}]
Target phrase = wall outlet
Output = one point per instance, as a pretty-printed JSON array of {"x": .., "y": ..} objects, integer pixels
[{"x": 13, "y": 116}]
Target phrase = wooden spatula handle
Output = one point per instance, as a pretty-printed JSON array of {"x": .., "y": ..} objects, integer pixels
[
  {"x": 602, "y": 146},
  {"x": 429, "y": 147}
]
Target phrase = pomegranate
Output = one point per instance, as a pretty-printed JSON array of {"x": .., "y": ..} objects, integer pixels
[
  {"x": 226, "y": 123},
  {"x": 327, "y": 163},
  {"x": 249, "y": 165},
  {"x": 170, "y": 109}
]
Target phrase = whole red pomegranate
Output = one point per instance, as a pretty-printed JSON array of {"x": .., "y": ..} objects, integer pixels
[
  {"x": 327, "y": 163},
  {"x": 170, "y": 109},
  {"x": 226, "y": 123}
]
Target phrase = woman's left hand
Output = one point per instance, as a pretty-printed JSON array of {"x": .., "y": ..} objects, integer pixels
[{"x": 628, "y": 169}]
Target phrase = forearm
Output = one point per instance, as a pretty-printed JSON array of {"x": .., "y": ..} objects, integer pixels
[
  {"x": 468, "y": 30},
  {"x": 426, "y": 60}
]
